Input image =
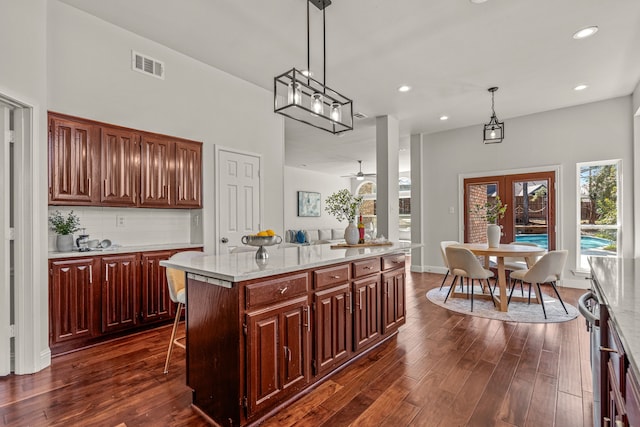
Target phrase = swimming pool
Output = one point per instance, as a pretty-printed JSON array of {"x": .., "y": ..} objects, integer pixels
[{"x": 586, "y": 242}]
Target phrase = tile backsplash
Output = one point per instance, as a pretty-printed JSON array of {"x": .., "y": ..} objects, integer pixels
[{"x": 129, "y": 226}]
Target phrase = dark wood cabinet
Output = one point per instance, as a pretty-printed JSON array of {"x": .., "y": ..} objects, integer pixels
[
  {"x": 97, "y": 164},
  {"x": 393, "y": 300},
  {"x": 278, "y": 348},
  {"x": 188, "y": 174},
  {"x": 119, "y": 167},
  {"x": 366, "y": 311},
  {"x": 155, "y": 302},
  {"x": 94, "y": 298},
  {"x": 119, "y": 292},
  {"x": 74, "y": 286},
  {"x": 156, "y": 171},
  {"x": 332, "y": 312},
  {"x": 73, "y": 162}
]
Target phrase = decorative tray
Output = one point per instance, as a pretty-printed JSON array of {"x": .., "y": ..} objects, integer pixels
[{"x": 360, "y": 245}]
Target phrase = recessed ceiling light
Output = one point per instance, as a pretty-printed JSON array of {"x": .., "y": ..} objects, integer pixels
[
  {"x": 580, "y": 87},
  {"x": 444, "y": 118},
  {"x": 404, "y": 88},
  {"x": 585, "y": 32},
  {"x": 307, "y": 73},
  {"x": 477, "y": 1}
]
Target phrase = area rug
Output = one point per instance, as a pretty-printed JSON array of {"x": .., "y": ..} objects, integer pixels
[{"x": 518, "y": 311}]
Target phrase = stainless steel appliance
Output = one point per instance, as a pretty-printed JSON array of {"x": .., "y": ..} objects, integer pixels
[
  {"x": 83, "y": 242},
  {"x": 589, "y": 307}
]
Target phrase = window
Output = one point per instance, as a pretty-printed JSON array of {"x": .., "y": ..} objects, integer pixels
[{"x": 598, "y": 210}]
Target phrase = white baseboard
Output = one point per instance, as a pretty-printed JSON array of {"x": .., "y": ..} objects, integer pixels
[
  {"x": 428, "y": 269},
  {"x": 45, "y": 358}
]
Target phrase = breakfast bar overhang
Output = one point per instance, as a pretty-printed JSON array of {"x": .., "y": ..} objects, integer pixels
[{"x": 262, "y": 331}]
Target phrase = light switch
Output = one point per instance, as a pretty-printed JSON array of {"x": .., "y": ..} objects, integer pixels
[
  {"x": 119, "y": 221},
  {"x": 452, "y": 210}
]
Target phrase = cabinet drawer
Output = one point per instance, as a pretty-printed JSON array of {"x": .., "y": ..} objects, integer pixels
[
  {"x": 331, "y": 276},
  {"x": 275, "y": 290},
  {"x": 392, "y": 261},
  {"x": 632, "y": 399},
  {"x": 366, "y": 267}
]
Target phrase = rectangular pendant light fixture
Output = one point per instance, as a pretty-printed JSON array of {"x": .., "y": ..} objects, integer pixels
[{"x": 305, "y": 99}]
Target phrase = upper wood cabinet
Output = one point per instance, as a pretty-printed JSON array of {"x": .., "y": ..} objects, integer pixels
[
  {"x": 120, "y": 167},
  {"x": 74, "y": 167},
  {"x": 188, "y": 174},
  {"x": 97, "y": 164},
  {"x": 156, "y": 160}
]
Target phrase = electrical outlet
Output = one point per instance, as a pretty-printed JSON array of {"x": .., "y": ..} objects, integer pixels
[
  {"x": 196, "y": 220},
  {"x": 452, "y": 209},
  {"x": 120, "y": 221}
]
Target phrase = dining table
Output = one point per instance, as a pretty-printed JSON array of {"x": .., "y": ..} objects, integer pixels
[{"x": 529, "y": 253}]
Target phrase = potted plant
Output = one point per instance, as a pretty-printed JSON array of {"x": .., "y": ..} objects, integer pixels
[
  {"x": 492, "y": 212},
  {"x": 64, "y": 226},
  {"x": 344, "y": 205}
]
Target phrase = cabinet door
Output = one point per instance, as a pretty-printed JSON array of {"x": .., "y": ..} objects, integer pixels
[
  {"x": 119, "y": 292},
  {"x": 277, "y": 353},
  {"x": 156, "y": 303},
  {"x": 73, "y": 162},
  {"x": 332, "y": 320},
  {"x": 366, "y": 311},
  {"x": 120, "y": 166},
  {"x": 72, "y": 299},
  {"x": 156, "y": 157},
  {"x": 393, "y": 300},
  {"x": 188, "y": 174}
]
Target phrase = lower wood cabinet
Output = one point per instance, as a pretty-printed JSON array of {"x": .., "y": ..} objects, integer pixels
[
  {"x": 278, "y": 347},
  {"x": 91, "y": 298},
  {"x": 74, "y": 291},
  {"x": 253, "y": 346},
  {"x": 333, "y": 325}
]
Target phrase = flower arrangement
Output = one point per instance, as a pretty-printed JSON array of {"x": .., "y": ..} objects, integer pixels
[
  {"x": 343, "y": 205},
  {"x": 492, "y": 211},
  {"x": 64, "y": 225}
]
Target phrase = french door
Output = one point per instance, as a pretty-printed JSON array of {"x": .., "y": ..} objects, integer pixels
[{"x": 530, "y": 214}]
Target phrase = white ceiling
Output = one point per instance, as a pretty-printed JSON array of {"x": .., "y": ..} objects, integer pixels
[{"x": 449, "y": 51}]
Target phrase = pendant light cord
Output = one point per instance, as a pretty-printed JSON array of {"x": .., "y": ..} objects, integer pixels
[
  {"x": 324, "y": 52},
  {"x": 308, "y": 48}
]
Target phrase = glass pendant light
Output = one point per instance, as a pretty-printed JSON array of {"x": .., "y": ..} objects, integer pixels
[
  {"x": 317, "y": 103},
  {"x": 336, "y": 112},
  {"x": 493, "y": 131},
  {"x": 294, "y": 93}
]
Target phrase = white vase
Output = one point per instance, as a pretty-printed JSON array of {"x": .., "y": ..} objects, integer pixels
[
  {"x": 64, "y": 242},
  {"x": 494, "y": 233},
  {"x": 351, "y": 235}
]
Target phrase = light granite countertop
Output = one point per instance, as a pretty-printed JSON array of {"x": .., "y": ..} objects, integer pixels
[
  {"x": 618, "y": 283},
  {"x": 124, "y": 250},
  {"x": 243, "y": 266}
]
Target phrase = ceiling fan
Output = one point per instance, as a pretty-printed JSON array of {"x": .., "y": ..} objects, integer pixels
[{"x": 360, "y": 175}]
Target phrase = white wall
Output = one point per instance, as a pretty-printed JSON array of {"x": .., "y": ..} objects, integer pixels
[
  {"x": 295, "y": 180},
  {"x": 23, "y": 78},
  {"x": 596, "y": 131},
  {"x": 90, "y": 76}
]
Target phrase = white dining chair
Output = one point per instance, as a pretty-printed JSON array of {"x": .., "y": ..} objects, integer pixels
[
  {"x": 547, "y": 269},
  {"x": 443, "y": 245},
  {"x": 464, "y": 264}
]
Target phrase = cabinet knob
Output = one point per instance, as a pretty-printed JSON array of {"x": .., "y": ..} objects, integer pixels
[
  {"x": 335, "y": 277},
  {"x": 283, "y": 290},
  {"x": 608, "y": 350}
]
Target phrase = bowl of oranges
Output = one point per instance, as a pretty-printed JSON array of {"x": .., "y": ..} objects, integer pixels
[{"x": 262, "y": 238}]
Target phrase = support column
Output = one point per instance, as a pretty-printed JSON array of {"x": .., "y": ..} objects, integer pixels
[
  {"x": 417, "y": 208},
  {"x": 387, "y": 169}
]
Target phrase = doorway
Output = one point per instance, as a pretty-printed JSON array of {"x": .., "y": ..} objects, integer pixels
[
  {"x": 238, "y": 198},
  {"x": 530, "y": 214}
]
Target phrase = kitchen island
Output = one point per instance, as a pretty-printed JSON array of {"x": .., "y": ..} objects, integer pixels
[
  {"x": 617, "y": 293},
  {"x": 261, "y": 332}
]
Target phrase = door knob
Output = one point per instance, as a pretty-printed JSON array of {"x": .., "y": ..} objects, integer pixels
[{"x": 224, "y": 240}]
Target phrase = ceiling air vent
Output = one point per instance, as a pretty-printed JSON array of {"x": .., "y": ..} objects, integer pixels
[
  {"x": 359, "y": 115},
  {"x": 147, "y": 65}
]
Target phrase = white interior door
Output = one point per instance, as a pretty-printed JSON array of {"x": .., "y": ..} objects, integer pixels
[
  {"x": 238, "y": 199},
  {"x": 5, "y": 232}
]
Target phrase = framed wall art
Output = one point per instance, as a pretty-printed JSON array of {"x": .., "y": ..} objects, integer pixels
[{"x": 308, "y": 203}]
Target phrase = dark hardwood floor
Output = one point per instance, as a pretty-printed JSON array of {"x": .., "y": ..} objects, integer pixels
[{"x": 442, "y": 369}]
